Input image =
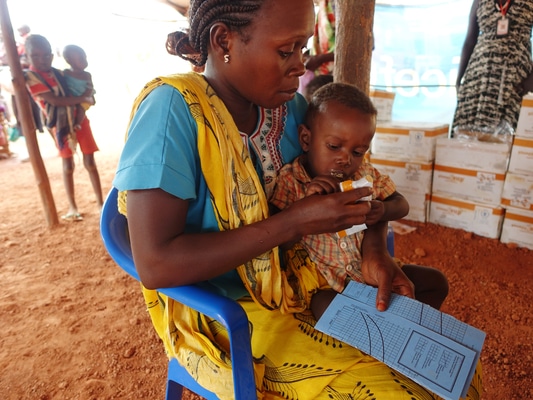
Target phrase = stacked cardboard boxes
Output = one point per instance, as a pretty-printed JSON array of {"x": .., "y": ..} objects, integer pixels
[
  {"x": 383, "y": 101},
  {"x": 480, "y": 186},
  {"x": 517, "y": 195},
  {"x": 467, "y": 185},
  {"x": 405, "y": 151}
]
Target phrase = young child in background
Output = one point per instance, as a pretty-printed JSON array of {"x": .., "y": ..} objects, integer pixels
[
  {"x": 339, "y": 126},
  {"x": 78, "y": 80},
  {"x": 4, "y": 136},
  {"x": 48, "y": 88},
  {"x": 314, "y": 84}
]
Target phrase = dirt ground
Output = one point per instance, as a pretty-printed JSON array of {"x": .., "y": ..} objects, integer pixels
[{"x": 74, "y": 325}]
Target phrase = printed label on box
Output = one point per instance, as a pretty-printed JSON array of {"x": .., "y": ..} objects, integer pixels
[
  {"x": 524, "y": 127},
  {"x": 407, "y": 141},
  {"x": 480, "y": 219},
  {"x": 518, "y": 228},
  {"x": 521, "y": 156},
  {"x": 473, "y": 155},
  {"x": 415, "y": 176},
  {"x": 518, "y": 191},
  {"x": 383, "y": 101},
  {"x": 476, "y": 186}
]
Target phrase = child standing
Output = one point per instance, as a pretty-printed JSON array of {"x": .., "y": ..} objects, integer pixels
[
  {"x": 4, "y": 136},
  {"x": 48, "y": 88},
  {"x": 78, "y": 80},
  {"x": 339, "y": 126}
]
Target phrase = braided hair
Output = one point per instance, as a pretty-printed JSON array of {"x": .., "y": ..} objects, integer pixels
[{"x": 192, "y": 44}]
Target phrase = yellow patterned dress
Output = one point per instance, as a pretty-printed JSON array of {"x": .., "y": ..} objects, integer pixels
[{"x": 291, "y": 359}]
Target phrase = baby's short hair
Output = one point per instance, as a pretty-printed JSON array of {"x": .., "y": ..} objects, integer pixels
[
  {"x": 344, "y": 93},
  {"x": 70, "y": 49}
]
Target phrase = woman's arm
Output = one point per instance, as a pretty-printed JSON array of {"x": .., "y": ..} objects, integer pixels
[
  {"x": 60, "y": 101},
  {"x": 166, "y": 256},
  {"x": 380, "y": 270},
  {"x": 470, "y": 42}
]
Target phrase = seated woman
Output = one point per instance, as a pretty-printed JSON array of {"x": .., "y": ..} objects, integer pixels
[{"x": 198, "y": 166}]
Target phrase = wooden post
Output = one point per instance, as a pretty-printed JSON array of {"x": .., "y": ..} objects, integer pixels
[
  {"x": 25, "y": 116},
  {"x": 354, "y": 23}
]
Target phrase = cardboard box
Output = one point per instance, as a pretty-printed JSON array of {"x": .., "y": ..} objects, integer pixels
[
  {"x": 481, "y": 219},
  {"x": 468, "y": 184},
  {"x": 518, "y": 228},
  {"x": 415, "y": 176},
  {"x": 518, "y": 191},
  {"x": 383, "y": 101},
  {"x": 521, "y": 156},
  {"x": 524, "y": 128},
  {"x": 418, "y": 204},
  {"x": 409, "y": 141},
  {"x": 473, "y": 155}
]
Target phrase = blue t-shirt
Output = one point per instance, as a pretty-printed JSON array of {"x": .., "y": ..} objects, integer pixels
[{"x": 161, "y": 152}]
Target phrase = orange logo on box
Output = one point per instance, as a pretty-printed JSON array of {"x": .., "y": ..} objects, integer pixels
[
  {"x": 389, "y": 139},
  {"x": 412, "y": 168},
  {"x": 454, "y": 178},
  {"x": 485, "y": 177},
  {"x": 456, "y": 211}
]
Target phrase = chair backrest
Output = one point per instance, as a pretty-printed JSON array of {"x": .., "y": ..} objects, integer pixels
[{"x": 114, "y": 232}]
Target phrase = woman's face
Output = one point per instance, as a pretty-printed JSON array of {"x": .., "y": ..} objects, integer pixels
[
  {"x": 40, "y": 56},
  {"x": 337, "y": 141},
  {"x": 265, "y": 69}
]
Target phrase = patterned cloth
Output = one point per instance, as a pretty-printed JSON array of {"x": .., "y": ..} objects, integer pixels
[
  {"x": 60, "y": 119},
  {"x": 77, "y": 87},
  {"x": 490, "y": 92},
  {"x": 337, "y": 258},
  {"x": 291, "y": 359},
  {"x": 324, "y": 36}
]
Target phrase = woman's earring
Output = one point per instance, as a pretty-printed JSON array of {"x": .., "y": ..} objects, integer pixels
[{"x": 226, "y": 58}]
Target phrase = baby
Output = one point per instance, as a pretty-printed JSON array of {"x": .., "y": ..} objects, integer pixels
[
  {"x": 78, "y": 80},
  {"x": 339, "y": 126}
]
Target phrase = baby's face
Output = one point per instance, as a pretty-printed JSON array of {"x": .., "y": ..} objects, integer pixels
[
  {"x": 339, "y": 138},
  {"x": 77, "y": 61}
]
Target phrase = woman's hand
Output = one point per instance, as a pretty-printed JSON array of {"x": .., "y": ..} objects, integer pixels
[
  {"x": 380, "y": 270},
  {"x": 314, "y": 62},
  {"x": 377, "y": 210},
  {"x": 329, "y": 213}
]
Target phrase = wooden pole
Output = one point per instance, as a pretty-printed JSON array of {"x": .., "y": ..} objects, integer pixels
[
  {"x": 26, "y": 116},
  {"x": 354, "y": 23}
]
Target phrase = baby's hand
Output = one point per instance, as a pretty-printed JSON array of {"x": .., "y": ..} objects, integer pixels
[
  {"x": 377, "y": 210},
  {"x": 323, "y": 184}
]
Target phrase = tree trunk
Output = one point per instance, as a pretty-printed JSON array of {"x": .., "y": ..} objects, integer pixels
[
  {"x": 354, "y": 21},
  {"x": 25, "y": 116}
]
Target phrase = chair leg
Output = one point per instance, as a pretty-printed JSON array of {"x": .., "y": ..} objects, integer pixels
[{"x": 174, "y": 390}]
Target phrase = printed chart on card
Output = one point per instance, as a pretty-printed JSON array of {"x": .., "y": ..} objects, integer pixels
[{"x": 434, "y": 349}]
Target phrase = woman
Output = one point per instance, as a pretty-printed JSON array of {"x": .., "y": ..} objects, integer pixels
[
  {"x": 495, "y": 70},
  {"x": 200, "y": 160}
]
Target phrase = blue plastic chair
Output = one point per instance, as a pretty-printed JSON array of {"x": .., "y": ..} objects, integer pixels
[{"x": 114, "y": 231}]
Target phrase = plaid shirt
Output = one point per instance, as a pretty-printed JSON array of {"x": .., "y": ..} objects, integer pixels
[{"x": 337, "y": 259}]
